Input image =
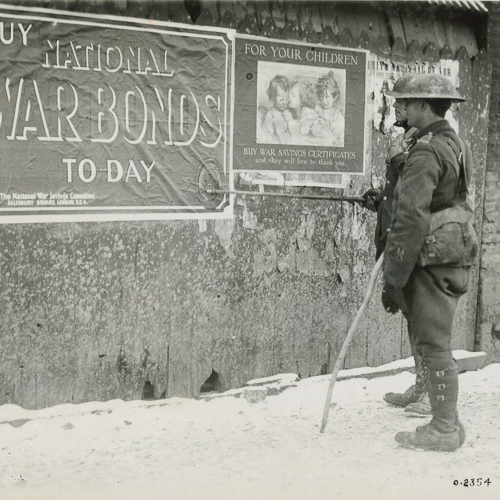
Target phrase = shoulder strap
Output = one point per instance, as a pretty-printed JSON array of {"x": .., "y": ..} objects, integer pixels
[
  {"x": 425, "y": 139},
  {"x": 460, "y": 150},
  {"x": 463, "y": 167}
]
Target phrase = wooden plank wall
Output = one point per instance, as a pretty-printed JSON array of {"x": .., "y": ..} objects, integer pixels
[
  {"x": 93, "y": 311},
  {"x": 488, "y": 324}
]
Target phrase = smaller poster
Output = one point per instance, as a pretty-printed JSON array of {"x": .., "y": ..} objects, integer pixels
[{"x": 298, "y": 108}]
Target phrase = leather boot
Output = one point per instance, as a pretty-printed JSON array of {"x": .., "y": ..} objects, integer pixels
[
  {"x": 415, "y": 392},
  {"x": 445, "y": 432},
  {"x": 421, "y": 408},
  {"x": 426, "y": 437},
  {"x": 443, "y": 396},
  {"x": 460, "y": 427},
  {"x": 411, "y": 395}
]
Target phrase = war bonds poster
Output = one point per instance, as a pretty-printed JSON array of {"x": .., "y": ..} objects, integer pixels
[
  {"x": 108, "y": 119},
  {"x": 298, "y": 107}
]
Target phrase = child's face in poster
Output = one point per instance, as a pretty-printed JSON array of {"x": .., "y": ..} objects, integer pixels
[
  {"x": 281, "y": 99},
  {"x": 327, "y": 99}
]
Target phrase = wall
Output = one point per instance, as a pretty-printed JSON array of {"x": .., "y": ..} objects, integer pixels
[
  {"x": 92, "y": 311},
  {"x": 488, "y": 328}
]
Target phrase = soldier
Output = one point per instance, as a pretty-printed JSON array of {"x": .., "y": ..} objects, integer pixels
[
  {"x": 430, "y": 248},
  {"x": 415, "y": 400}
]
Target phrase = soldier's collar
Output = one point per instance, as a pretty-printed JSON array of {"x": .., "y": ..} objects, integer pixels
[{"x": 433, "y": 128}]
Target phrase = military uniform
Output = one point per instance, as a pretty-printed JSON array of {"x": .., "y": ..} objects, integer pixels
[
  {"x": 428, "y": 255},
  {"x": 431, "y": 181},
  {"x": 415, "y": 398},
  {"x": 396, "y": 158}
]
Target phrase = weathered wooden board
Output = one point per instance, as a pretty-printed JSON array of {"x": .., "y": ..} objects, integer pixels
[
  {"x": 458, "y": 34},
  {"x": 478, "y": 136},
  {"x": 420, "y": 28},
  {"x": 368, "y": 20}
]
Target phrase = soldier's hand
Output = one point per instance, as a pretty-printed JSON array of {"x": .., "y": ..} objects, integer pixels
[
  {"x": 370, "y": 201},
  {"x": 392, "y": 298}
]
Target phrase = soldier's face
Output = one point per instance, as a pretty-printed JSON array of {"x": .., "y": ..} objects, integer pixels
[
  {"x": 414, "y": 112},
  {"x": 400, "y": 109}
]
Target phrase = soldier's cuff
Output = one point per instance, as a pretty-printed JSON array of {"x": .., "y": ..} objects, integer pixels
[{"x": 396, "y": 275}]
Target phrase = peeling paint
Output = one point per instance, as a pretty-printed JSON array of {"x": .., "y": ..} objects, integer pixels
[
  {"x": 224, "y": 230},
  {"x": 360, "y": 268},
  {"x": 250, "y": 220},
  {"x": 307, "y": 224},
  {"x": 202, "y": 225},
  {"x": 265, "y": 257},
  {"x": 288, "y": 261},
  {"x": 344, "y": 273},
  {"x": 330, "y": 251},
  {"x": 309, "y": 262}
]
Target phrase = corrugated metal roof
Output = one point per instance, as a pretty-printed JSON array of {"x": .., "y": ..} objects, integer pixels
[{"x": 464, "y": 4}]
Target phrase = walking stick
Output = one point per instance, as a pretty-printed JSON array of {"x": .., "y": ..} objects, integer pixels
[{"x": 341, "y": 356}]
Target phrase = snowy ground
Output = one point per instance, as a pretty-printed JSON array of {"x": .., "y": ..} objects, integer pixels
[{"x": 230, "y": 449}]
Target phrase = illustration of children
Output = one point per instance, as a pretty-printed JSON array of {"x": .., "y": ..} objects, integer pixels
[
  {"x": 276, "y": 122},
  {"x": 304, "y": 117},
  {"x": 331, "y": 123}
]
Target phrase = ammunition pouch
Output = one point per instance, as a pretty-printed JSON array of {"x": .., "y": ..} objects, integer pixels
[{"x": 451, "y": 239}]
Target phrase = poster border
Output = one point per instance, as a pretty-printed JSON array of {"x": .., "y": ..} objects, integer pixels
[{"x": 319, "y": 45}]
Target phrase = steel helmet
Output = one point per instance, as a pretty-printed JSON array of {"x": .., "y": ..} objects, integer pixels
[{"x": 424, "y": 86}]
